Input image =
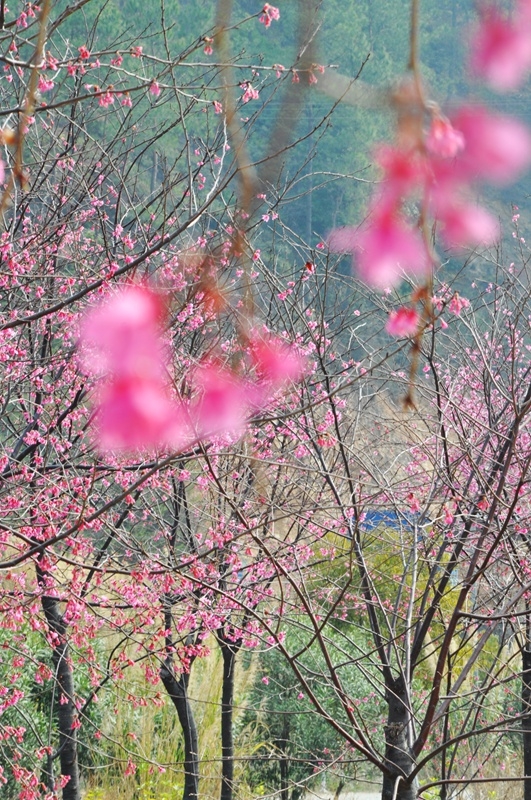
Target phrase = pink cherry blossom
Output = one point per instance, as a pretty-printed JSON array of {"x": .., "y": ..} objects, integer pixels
[
  {"x": 387, "y": 249},
  {"x": 457, "y": 304},
  {"x": 83, "y": 51},
  {"x": 501, "y": 49},
  {"x": 269, "y": 13},
  {"x": 44, "y": 84},
  {"x": 404, "y": 170},
  {"x": 467, "y": 225},
  {"x": 154, "y": 89},
  {"x": 276, "y": 362},
  {"x": 403, "y": 322},
  {"x": 223, "y": 404},
  {"x": 384, "y": 250},
  {"x": 122, "y": 336},
  {"x": 443, "y": 139},
  {"x": 250, "y": 92},
  {"x": 106, "y": 99},
  {"x": 136, "y": 414},
  {"x": 121, "y": 341},
  {"x": 497, "y": 148}
]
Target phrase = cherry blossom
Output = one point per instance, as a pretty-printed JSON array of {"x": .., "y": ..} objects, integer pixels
[
  {"x": 501, "y": 49},
  {"x": 443, "y": 139},
  {"x": 403, "y": 322},
  {"x": 44, "y": 84},
  {"x": 385, "y": 250},
  {"x": 122, "y": 335},
  {"x": 457, "y": 304},
  {"x": 136, "y": 413},
  {"x": 224, "y": 401},
  {"x": 276, "y": 362},
  {"x": 269, "y": 13},
  {"x": 497, "y": 148},
  {"x": 121, "y": 340},
  {"x": 468, "y": 225},
  {"x": 250, "y": 93}
]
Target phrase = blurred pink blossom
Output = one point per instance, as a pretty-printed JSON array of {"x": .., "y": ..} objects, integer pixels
[
  {"x": 443, "y": 139},
  {"x": 403, "y": 322},
  {"x": 122, "y": 336},
  {"x": 224, "y": 401},
  {"x": 501, "y": 48},
  {"x": 497, "y": 148},
  {"x": 136, "y": 414},
  {"x": 384, "y": 250},
  {"x": 389, "y": 248},
  {"x": 122, "y": 343},
  {"x": 466, "y": 225},
  {"x": 404, "y": 170},
  {"x": 276, "y": 362}
]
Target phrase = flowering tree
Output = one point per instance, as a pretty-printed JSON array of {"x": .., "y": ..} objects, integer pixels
[
  {"x": 411, "y": 561},
  {"x": 184, "y": 412},
  {"x": 93, "y": 209}
]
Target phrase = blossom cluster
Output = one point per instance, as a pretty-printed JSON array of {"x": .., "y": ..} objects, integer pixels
[
  {"x": 269, "y": 13},
  {"x": 436, "y": 162},
  {"x": 501, "y": 46},
  {"x": 122, "y": 343}
]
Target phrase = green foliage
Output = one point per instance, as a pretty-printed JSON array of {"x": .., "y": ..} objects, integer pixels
[
  {"x": 27, "y": 727},
  {"x": 281, "y": 733}
]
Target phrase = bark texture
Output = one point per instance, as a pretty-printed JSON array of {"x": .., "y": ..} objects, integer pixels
[
  {"x": 65, "y": 707},
  {"x": 399, "y": 759},
  {"x": 177, "y": 689}
]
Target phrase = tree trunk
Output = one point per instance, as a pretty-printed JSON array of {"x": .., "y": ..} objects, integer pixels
[
  {"x": 526, "y": 710},
  {"x": 66, "y": 710},
  {"x": 227, "y": 700},
  {"x": 399, "y": 760},
  {"x": 283, "y": 744},
  {"x": 177, "y": 689}
]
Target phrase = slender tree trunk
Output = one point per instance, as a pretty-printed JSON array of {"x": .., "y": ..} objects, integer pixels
[
  {"x": 66, "y": 710},
  {"x": 526, "y": 707},
  {"x": 284, "y": 759},
  {"x": 227, "y": 701},
  {"x": 399, "y": 759},
  {"x": 177, "y": 689}
]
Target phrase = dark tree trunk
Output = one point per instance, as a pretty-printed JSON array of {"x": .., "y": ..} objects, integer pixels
[
  {"x": 66, "y": 710},
  {"x": 526, "y": 709},
  {"x": 283, "y": 744},
  {"x": 227, "y": 700},
  {"x": 399, "y": 760},
  {"x": 177, "y": 689}
]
